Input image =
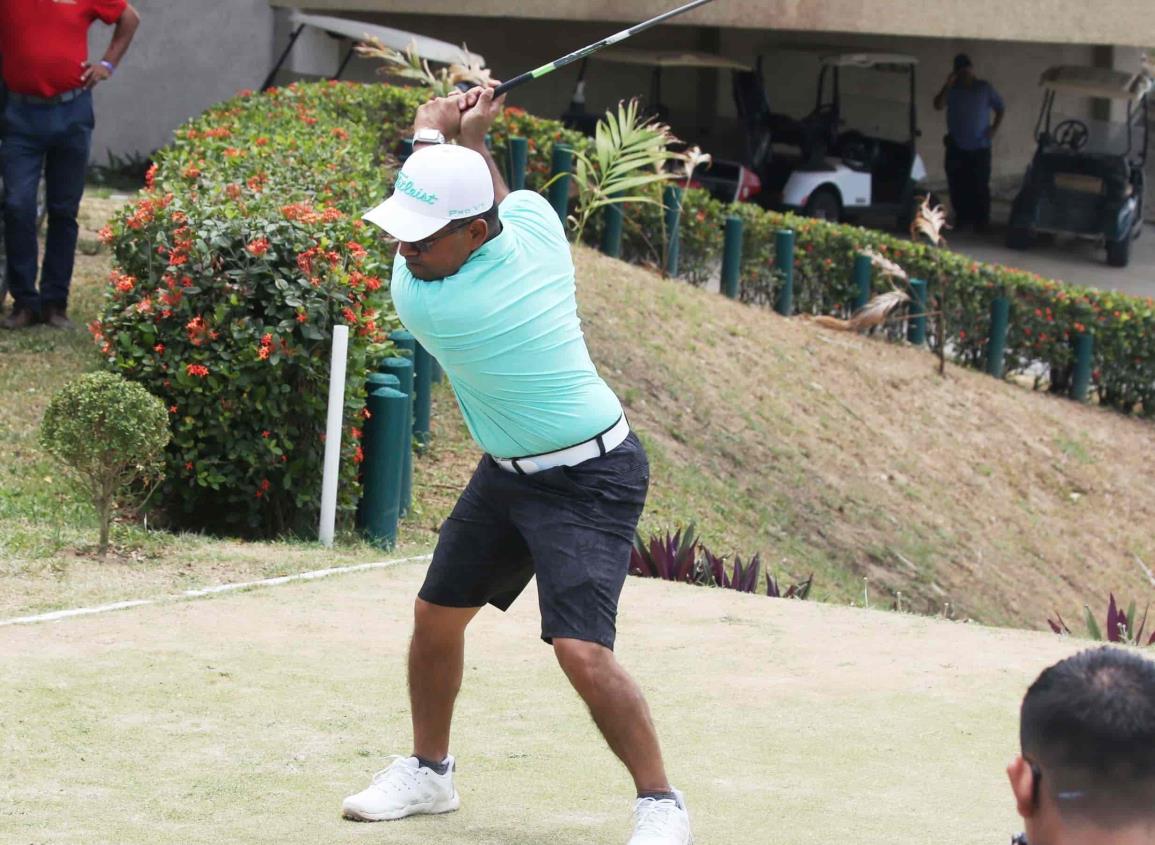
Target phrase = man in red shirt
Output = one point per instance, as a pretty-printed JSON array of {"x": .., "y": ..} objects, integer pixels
[{"x": 47, "y": 129}]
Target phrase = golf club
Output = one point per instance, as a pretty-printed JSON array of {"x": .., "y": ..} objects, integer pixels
[{"x": 593, "y": 48}]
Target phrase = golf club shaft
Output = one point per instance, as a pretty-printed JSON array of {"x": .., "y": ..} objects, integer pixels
[{"x": 593, "y": 48}]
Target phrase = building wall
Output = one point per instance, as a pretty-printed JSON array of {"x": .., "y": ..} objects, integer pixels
[
  {"x": 1047, "y": 21},
  {"x": 702, "y": 108},
  {"x": 187, "y": 55}
]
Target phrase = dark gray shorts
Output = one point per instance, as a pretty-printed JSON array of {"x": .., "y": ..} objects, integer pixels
[{"x": 572, "y": 527}]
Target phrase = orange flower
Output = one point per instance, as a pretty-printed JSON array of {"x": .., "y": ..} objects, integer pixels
[
  {"x": 258, "y": 247},
  {"x": 358, "y": 455},
  {"x": 158, "y": 349},
  {"x": 263, "y": 353},
  {"x": 150, "y": 177},
  {"x": 197, "y": 370}
]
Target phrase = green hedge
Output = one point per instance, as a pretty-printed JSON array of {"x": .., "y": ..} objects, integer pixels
[{"x": 247, "y": 249}]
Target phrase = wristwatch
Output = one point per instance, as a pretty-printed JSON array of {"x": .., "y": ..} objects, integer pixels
[{"x": 428, "y": 135}]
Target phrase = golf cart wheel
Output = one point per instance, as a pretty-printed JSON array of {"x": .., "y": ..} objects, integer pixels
[
  {"x": 1119, "y": 252},
  {"x": 824, "y": 205},
  {"x": 1018, "y": 237}
]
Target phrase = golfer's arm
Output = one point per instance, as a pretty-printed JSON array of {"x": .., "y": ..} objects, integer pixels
[
  {"x": 940, "y": 98},
  {"x": 122, "y": 36},
  {"x": 500, "y": 189},
  {"x": 999, "y": 113}
]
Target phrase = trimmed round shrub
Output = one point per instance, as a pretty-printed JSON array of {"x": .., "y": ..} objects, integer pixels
[{"x": 111, "y": 433}]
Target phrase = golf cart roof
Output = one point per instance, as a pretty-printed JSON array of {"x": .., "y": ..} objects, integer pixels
[
  {"x": 427, "y": 48},
  {"x": 868, "y": 59},
  {"x": 668, "y": 58},
  {"x": 1096, "y": 82}
]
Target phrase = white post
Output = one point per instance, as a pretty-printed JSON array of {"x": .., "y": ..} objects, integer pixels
[{"x": 333, "y": 434}]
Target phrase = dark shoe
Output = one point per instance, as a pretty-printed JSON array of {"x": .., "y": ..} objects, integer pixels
[
  {"x": 55, "y": 316},
  {"x": 20, "y": 318}
]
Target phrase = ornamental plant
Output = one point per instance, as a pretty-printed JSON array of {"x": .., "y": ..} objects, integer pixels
[
  {"x": 111, "y": 434},
  {"x": 1120, "y": 627}
]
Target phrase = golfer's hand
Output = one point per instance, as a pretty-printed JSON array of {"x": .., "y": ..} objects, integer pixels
[
  {"x": 951, "y": 79},
  {"x": 479, "y": 111},
  {"x": 441, "y": 113},
  {"x": 93, "y": 74}
]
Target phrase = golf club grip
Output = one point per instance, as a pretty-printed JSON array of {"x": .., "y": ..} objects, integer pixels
[{"x": 511, "y": 84}]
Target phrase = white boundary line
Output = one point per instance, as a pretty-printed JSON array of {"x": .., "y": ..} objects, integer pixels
[{"x": 211, "y": 591}]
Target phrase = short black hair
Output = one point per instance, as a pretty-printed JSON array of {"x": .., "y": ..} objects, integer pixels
[
  {"x": 1088, "y": 724},
  {"x": 962, "y": 60}
]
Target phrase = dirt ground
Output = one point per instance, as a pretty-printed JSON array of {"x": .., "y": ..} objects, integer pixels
[{"x": 246, "y": 719}]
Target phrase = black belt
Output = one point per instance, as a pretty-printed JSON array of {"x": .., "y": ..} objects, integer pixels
[{"x": 32, "y": 100}]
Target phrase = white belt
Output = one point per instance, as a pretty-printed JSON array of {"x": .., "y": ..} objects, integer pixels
[{"x": 595, "y": 447}]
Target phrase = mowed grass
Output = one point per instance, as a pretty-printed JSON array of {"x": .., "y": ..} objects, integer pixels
[
  {"x": 840, "y": 456},
  {"x": 247, "y": 718}
]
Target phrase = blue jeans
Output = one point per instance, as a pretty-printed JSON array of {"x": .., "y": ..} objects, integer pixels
[{"x": 53, "y": 140}]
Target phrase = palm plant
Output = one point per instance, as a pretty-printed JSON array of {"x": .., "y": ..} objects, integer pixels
[
  {"x": 408, "y": 65},
  {"x": 629, "y": 155}
]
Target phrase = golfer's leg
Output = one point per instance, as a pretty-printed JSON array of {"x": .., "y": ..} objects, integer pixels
[
  {"x": 436, "y": 663},
  {"x": 618, "y": 708}
]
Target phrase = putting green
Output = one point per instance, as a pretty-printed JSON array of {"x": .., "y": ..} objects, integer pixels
[{"x": 247, "y": 718}]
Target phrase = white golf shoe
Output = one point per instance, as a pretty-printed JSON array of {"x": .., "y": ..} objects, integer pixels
[
  {"x": 404, "y": 789},
  {"x": 662, "y": 822}
]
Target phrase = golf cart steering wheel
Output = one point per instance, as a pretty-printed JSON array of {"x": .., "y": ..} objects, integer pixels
[{"x": 1072, "y": 134}]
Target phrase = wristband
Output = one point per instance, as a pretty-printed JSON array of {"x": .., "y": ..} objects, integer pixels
[{"x": 108, "y": 66}]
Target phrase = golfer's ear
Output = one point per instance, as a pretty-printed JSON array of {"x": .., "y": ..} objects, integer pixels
[
  {"x": 478, "y": 232},
  {"x": 1023, "y": 786}
]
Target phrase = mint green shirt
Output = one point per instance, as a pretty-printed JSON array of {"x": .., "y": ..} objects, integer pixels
[{"x": 505, "y": 329}]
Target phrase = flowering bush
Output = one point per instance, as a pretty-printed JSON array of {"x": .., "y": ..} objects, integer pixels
[{"x": 232, "y": 270}]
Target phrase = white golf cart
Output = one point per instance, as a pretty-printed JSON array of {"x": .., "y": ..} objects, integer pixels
[
  {"x": 351, "y": 32},
  {"x": 837, "y": 173}
]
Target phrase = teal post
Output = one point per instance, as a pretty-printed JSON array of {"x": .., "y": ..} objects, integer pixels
[
  {"x": 375, "y": 381},
  {"x": 863, "y": 270},
  {"x": 402, "y": 368},
  {"x": 612, "y": 217},
  {"x": 435, "y": 372},
  {"x": 518, "y": 160},
  {"x": 784, "y": 261},
  {"x": 732, "y": 256},
  {"x": 422, "y": 400},
  {"x": 916, "y": 327},
  {"x": 559, "y": 190},
  {"x": 672, "y": 200},
  {"x": 997, "y": 337},
  {"x": 406, "y": 149},
  {"x": 384, "y": 446},
  {"x": 403, "y": 340},
  {"x": 1084, "y": 356}
]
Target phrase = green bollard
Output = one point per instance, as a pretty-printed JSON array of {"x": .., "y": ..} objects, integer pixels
[
  {"x": 916, "y": 327},
  {"x": 559, "y": 190},
  {"x": 435, "y": 371},
  {"x": 672, "y": 201},
  {"x": 422, "y": 400},
  {"x": 612, "y": 217},
  {"x": 518, "y": 160},
  {"x": 1084, "y": 355},
  {"x": 384, "y": 448},
  {"x": 784, "y": 262},
  {"x": 732, "y": 256},
  {"x": 997, "y": 337},
  {"x": 863, "y": 270},
  {"x": 404, "y": 340},
  {"x": 402, "y": 368}
]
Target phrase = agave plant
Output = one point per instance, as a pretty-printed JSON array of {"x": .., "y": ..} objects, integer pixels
[
  {"x": 630, "y": 154},
  {"x": 1120, "y": 627},
  {"x": 800, "y": 591},
  {"x": 671, "y": 558},
  {"x": 408, "y": 65}
]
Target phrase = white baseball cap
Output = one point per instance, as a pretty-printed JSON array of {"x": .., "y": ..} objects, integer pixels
[{"x": 437, "y": 185}]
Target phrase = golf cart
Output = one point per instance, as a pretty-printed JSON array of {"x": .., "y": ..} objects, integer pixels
[
  {"x": 834, "y": 172},
  {"x": 728, "y": 181},
  {"x": 353, "y": 32},
  {"x": 1086, "y": 177}
]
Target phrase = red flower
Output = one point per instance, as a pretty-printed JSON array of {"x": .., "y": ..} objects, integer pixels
[
  {"x": 188, "y": 466},
  {"x": 358, "y": 455},
  {"x": 266, "y": 434},
  {"x": 172, "y": 409},
  {"x": 258, "y": 247},
  {"x": 158, "y": 349},
  {"x": 191, "y": 172},
  {"x": 197, "y": 370},
  {"x": 348, "y": 314},
  {"x": 263, "y": 353},
  {"x": 150, "y": 177},
  {"x": 267, "y": 340},
  {"x": 302, "y": 317},
  {"x": 340, "y": 133}
]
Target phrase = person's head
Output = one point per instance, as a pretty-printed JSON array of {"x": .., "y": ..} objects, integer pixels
[
  {"x": 1087, "y": 731},
  {"x": 964, "y": 70},
  {"x": 441, "y": 210}
]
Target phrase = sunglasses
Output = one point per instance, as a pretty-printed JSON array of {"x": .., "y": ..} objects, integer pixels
[{"x": 425, "y": 244}]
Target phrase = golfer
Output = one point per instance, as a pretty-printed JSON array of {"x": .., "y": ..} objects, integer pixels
[{"x": 485, "y": 280}]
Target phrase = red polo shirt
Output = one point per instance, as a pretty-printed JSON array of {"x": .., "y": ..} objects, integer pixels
[{"x": 44, "y": 43}]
